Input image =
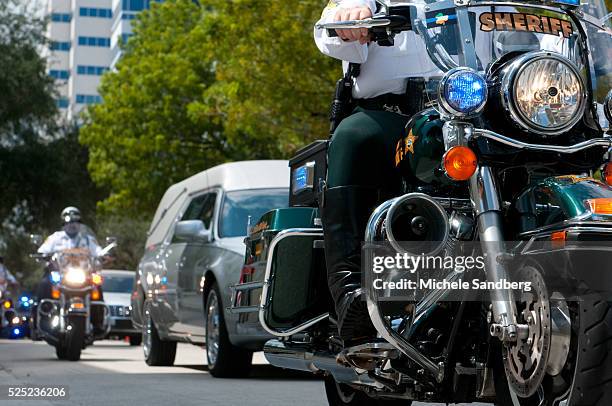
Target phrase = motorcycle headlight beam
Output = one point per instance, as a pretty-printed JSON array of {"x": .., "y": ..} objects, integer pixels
[
  {"x": 75, "y": 277},
  {"x": 543, "y": 92}
]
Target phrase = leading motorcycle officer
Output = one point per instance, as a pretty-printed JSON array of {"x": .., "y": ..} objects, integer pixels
[
  {"x": 361, "y": 167},
  {"x": 71, "y": 236}
]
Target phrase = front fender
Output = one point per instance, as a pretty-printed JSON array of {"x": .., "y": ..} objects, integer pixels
[{"x": 559, "y": 199}]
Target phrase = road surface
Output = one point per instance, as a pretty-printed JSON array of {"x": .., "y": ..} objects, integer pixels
[{"x": 113, "y": 373}]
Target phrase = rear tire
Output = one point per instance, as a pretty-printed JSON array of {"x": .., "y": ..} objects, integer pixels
[
  {"x": 157, "y": 352},
  {"x": 343, "y": 395},
  {"x": 224, "y": 359}
]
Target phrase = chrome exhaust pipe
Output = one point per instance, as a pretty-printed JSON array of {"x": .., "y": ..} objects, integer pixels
[{"x": 303, "y": 357}]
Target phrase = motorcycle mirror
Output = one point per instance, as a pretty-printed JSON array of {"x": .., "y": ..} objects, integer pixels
[
  {"x": 36, "y": 239},
  {"x": 107, "y": 249}
]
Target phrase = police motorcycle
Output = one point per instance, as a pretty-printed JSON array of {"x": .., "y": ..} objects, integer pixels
[
  {"x": 10, "y": 321},
  {"x": 75, "y": 316},
  {"x": 509, "y": 160},
  {"x": 15, "y": 317}
]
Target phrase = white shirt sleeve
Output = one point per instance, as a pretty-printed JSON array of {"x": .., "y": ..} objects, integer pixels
[
  {"x": 334, "y": 46},
  {"x": 48, "y": 246},
  {"x": 9, "y": 277}
]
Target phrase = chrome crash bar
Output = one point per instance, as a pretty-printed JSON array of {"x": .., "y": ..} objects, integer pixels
[
  {"x": 562, "y": 149},
  {"x": 269, "y": 279},
  {"x": 379, "y": 319}
]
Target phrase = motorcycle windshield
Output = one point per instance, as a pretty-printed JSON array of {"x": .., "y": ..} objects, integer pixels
[
  {"x": 80, "y": 257},
  {"x": 484, "y": 33},
  {"x": 598, "y": 25},
  {"x": 487, "y": 33},
  {"x": 75, "y": 258}
]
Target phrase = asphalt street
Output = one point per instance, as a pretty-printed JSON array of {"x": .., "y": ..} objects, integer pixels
[{"x": 113, "y": 373}]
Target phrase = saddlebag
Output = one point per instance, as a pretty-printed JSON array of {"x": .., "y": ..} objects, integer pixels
[{"x": 285, "y": 259}]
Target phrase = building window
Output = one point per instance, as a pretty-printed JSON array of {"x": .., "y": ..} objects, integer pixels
[
  {"x": 94, "y": 42},
  {"x": 88, "y": 99},
  {"x": 125, "y": 38},
  {"x": 95, "y": 12},
  {"x": 61, "y": 17},
  {"x": 59, "y": 74},
  {"x": 135, "y": 5},
  {"x": 62, "y": 103},
  {"x": 60, "y": 46},
  {"x": 91, "y": 70},
  {"x": 128, "y": 16}
]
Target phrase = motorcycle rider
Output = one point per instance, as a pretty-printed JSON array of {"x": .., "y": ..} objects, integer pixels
[
  {"x": 71, "y": 236},
  {"x": 6, "y": 277},
  {"x": 361, "y": 166},
  {"x": 7, "y": 280}
]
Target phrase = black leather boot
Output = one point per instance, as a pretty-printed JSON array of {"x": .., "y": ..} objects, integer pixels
[{"x": 345, "y": 215}]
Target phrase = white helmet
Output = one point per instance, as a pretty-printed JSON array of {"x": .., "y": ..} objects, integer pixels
[{"x": 70, "y": 215}]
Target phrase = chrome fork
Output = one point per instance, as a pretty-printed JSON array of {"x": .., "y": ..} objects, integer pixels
[
  {"x": 484, "y": 196},
  {"x": 487, "y": 207}
]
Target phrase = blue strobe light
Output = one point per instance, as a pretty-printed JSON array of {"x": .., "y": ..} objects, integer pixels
[
  {"x": 463, "y": 91},
  {"x": 56, "y": 277}
]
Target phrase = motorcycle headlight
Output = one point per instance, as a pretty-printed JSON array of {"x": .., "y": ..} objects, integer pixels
[
  {"x": 75, "y": 277},
  {"x": 543, "y": 92},
  {"x": 462, "y": 92}
]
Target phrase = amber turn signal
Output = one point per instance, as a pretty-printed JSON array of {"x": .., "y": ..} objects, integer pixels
[
  {"x": 602, "y": 206},
  {"x": 55, "y": 293},
  {"x": 96, "y": 279},
  {"x": 7, "y": 304},
  {"x": 606, "y": 174},
  {"x": 460, "y": 163},
  {"x": 95, "y": 294},
  {"x": 558, "y": 239}
]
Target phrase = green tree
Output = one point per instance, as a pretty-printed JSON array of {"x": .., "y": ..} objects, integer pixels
[
  {"x": 131, "y": 234},
  {"x": 27, "y": 102},
  {"x": 273, "y": 86},
  {"x": 41, "y": 167},
  {"x": 142, "y": 138},
  {"x": 203, "y": 84}
]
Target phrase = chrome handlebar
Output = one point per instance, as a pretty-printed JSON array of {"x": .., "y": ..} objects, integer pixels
[
  {"x": 353, "y": 24},
  {"x": 562, "y": 149}
]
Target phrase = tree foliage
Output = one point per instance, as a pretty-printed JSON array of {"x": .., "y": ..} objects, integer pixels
[
  {"x": 142, "y": 138},
  {"x": 42, "y": 169},
  {"x": 203, "y": 84},
  {"x": 27, "y": 102}
]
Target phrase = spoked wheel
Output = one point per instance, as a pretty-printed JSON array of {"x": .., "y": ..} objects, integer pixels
[
  {"x": 564, "y": 356},
  {"x": 224, "y": 359},
  {"x": 525, "y": 361},
  {"x": 339, "y": 394}
]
